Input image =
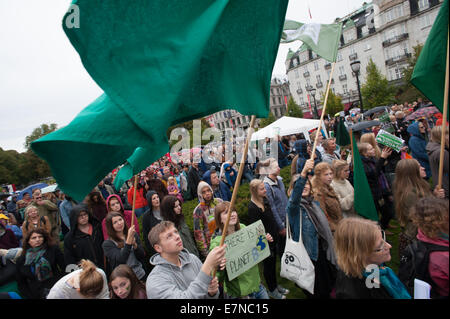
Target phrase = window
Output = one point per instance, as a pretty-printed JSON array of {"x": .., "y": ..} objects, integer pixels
[
  {"x": 318, "y": 78},
  {"x": 299, "y": 85},
  {"x": 392, "y": 14},
  {"x": 352, "y": 50},
  {"x": 316, "y": 66},
  {"x": 278, "y": 90},
  {"x": 341, "y": 70},
  {"x": 305, "y": 69},
  {"x": 296, "y": 73},
  {"x": 425, "y": 21},
  {"x": 329, "y": 73},
  {"x": 279, "y": 100},
  {"x": 273, "y": 101},
  {"x": 423, "y": 4},
  {"x": 302, "y": 100},
  {"x": 344, "y": 88},
  {"x": 308, "y": 82},
  {"x": 364, "y": 30},
  {"x": 295, "y": 62},
  {"x": 339, "y": 57}
]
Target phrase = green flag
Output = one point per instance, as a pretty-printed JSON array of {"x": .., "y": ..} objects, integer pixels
[
  {"x": 321, "y": 38},
  {"x": 342, "y": 136},
  {"x": 364, "y": 204},
  {"x": 160, "y": 63},
  {"x": 429, "y": 72}
]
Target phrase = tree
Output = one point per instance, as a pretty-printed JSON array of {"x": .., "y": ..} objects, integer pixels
[
  {"x": 376, "y": 91},
  {"x": 39, "y": 132},
  {"x": 268, "y": 120},
  {"x": 408, "y": 92},
  {"x": 334, "y": 103},
  {"x": 293, "y": 109}
]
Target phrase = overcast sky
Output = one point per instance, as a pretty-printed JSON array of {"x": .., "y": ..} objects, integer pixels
[{"x": 42, "y": 79}]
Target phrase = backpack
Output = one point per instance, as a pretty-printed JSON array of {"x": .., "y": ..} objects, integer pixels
[{"x": 414, "y": 261}]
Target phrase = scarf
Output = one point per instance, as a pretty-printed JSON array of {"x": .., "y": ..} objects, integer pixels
[
  {"x": 391, "y": 283},
  {"x": 320, "y": 221},
  {"x": 39, "y": 264}
]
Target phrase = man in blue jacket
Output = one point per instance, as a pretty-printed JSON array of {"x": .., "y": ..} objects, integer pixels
[
  {"x": 417, "y": 144},
  {"x": 220, "y": 189}
]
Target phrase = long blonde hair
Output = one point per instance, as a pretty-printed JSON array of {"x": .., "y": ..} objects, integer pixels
[
  {"x": 354, "y": 240},
  {"x": 370, "y": 138},
  {"x": 316, "y": 182},
  {"x": 408, "y": 181}
]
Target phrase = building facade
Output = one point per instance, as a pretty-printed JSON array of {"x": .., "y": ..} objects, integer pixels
[
  {"x": 232, "y": 119},
  {"x": 384, "y": 30}
]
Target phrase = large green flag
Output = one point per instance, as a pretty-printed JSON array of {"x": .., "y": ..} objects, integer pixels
[
  {"x": 364, "y": 204},
  {"x": 160, "y": 63},
  {"x": 321, "y": 38},
  {"x": 429, "y": 72},
  {"x": 342, "y": 136}
]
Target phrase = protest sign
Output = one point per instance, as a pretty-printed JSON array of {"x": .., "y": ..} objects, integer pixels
[
  {"x": 389, "y": 140},
  {"x": 246, "y": 248}
]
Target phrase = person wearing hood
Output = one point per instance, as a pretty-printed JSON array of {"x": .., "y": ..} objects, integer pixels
[
  {"x": 434, "y": 152},
  {"x": 177, "y": 274},
  {"x": 204, "y": 222},
  {"x": 151, "y": 217},
  {"x": 85, "y": 238},
  {"x": 303, "y": 150},
  {"x": 194, "y": 177},
  {"x": 66, "y": 206},
  {"x": 228, "y": 174},
  {"x": 417, "y": 144},
  {"x": 220, "y": 189},
  {"x": 316, "y": 232},
  {"x": 114, "y": 204}
]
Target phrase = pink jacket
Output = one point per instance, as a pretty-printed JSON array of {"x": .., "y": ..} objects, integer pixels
[
  {"x": 127, "y": 214},
  {"x": 438, "y": 266}
]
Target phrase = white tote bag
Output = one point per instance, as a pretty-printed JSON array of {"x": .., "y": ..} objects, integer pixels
[{"x": 295, "y": 263}]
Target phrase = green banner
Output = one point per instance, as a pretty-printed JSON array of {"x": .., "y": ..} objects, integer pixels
[
  {"x": 246, "y": 248},
  {"x": 389, "y": 140}
]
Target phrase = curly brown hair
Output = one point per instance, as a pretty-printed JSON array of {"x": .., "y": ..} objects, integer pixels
[{"x": 430, "y": 215}]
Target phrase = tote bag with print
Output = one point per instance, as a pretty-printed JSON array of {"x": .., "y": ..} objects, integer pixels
[{"x": 295, "y": 263}]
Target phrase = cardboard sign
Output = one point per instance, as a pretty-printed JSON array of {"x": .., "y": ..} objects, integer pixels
[
  {"x": 389, "y": 140},
  {"x": 246, "y": 248}
]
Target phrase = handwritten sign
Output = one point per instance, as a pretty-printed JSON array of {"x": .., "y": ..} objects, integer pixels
[
  {"x": 246, "y": 248},
  {"x": 389, "y": 140}
]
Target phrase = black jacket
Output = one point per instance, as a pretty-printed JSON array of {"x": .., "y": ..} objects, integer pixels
[
  {"x": 79, "y": 245},
  {"x": 372, "y": 174},
  {"x": 148, "y": 222},
  {"x": 355, "y": 288},
  {"x": 194, "y": 178},
  {"x": 270, "y": 225},
  {"x": 27, "y": 282}
]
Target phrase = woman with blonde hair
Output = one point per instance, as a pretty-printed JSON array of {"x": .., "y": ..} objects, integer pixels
[
  {"x": 361, "y": 251},
  {"x": 325, "y": 194},
  {"x": 34, "y": 221},
  {"x": 409, "y": 187},
  {"x": 89, "y": 282},
  {"x": 370, "y": 138},
  {"x": 342, "y": 187}
]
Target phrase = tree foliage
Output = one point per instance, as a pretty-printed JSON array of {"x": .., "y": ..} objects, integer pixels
[
  {"x": 376, "y": 91},
  {"x": 293, "y": 110},
  {"x": 268, "y": 120},
  {"x": 334, "y": 103},
  {"x": 39, "y": 132}
]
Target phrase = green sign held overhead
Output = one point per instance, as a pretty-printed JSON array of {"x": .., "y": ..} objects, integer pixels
[
  {"x": 389, "y": 140},
  {"x": 246, "y": 248}
]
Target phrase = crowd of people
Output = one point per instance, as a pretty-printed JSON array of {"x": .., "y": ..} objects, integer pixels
[{"x": 52, "y": 246}]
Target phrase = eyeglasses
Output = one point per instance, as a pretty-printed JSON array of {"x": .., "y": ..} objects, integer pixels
[
  {"x": 383, "y": 234},
  {"x": 39, "y": 197}
]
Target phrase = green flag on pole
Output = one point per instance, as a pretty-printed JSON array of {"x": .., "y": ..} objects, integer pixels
[
  {"x": 321, "y": 38},
  {"x": 429, "y": 72},
  {"x": 160, "y": 63},
  {"x": 342, "y": 136},
  {"x": 363, "y": 203}
]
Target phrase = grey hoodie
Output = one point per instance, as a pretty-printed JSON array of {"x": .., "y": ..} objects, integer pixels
[{"x": 168, "y": 281}]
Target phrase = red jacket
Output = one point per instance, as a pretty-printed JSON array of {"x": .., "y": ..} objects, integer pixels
[
  {"x": 141, "y": 201},
  {"x": 127, "y": 218},
  {"x": 438, "y": 266}
]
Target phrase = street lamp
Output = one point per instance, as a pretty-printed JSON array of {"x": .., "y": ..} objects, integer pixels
[
  {"x": 313, "y": 94},
  {"x": 356, "y": 65}
]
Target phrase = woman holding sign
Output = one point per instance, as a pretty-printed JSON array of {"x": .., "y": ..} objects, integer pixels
[{"x": 248, "y": 284}]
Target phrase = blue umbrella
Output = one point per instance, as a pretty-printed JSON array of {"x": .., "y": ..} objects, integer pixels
[{"x": 28, "y": 189}]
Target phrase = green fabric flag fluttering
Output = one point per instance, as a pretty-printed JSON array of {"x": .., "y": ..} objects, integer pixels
[
  {"x": 160, "y": 63},
  {"x": 363, "y": 203},
  {"x": 342, "y": 136},
  {"x": 429, "y": 72},
  {"x": 321, "y": 38}
]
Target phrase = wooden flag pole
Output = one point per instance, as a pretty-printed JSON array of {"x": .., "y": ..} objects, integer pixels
[
  {"x": 444, "y": 122},
  {"x": 313, "y": 152},
  {"x": 134, "y": 200},
  {"x": 237, "y": 183}
]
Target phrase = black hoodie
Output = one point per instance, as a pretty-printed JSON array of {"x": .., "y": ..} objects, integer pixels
[{"x": 79, "y": 245}]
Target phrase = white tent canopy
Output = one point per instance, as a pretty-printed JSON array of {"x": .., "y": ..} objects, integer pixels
[{"x": 287, "y": 126}]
